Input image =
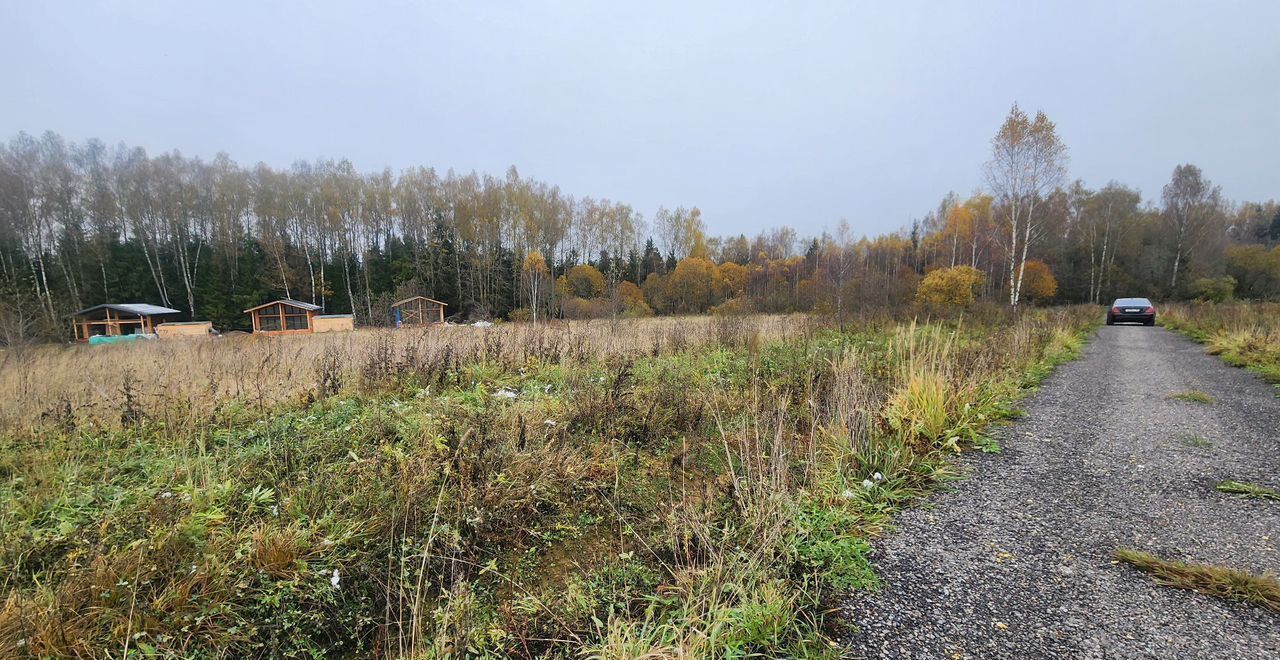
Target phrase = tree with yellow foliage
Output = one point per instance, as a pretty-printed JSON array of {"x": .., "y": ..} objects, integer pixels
[
  {"x": 582, "y": 281},
  {"x": 690, "y": 285},
  {"x": 1038, "y": 282},
  {"x": 1028, "y": 161},
  {"x": 730, "y": 280},
  {"x": 535, "y": 275}
]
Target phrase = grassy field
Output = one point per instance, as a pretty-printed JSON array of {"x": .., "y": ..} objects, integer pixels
[
  {"x": 661, "y": 488},
  {"x": 1243, "y": 334}
]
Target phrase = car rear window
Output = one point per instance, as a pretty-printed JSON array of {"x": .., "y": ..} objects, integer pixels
[{"x": 1133, "y": 302}]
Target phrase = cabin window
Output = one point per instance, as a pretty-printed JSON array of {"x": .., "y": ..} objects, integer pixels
[
  {"x": 294, "y": 321},
  {"x": 268, "y": 322}
]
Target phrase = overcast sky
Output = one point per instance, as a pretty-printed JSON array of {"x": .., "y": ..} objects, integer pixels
[{"x": 761, "y": 114}]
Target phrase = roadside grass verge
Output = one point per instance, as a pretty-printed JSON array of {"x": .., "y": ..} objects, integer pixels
[
  {"x": 1228, "y": 583},
  {"x": 1243, "y": 334},
  {"x": 1194, "y": 396},
  {"x": 707, "y": 490},
  {"x": 1249, "y": 490}
]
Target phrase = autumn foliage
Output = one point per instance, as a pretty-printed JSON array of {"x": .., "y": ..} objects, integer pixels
[
  {"x": 950, "y": 287},
  {"x": 81, "y": 224},
  {"x": 1038, "y": 282}
]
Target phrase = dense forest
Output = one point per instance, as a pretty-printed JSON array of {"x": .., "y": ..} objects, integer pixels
[{"x": 82, "y": 224}]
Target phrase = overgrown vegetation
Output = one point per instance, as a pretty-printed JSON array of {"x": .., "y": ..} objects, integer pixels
[
  {"x": 1229, "y": 583},
  {"x": 1243, "y": 334},
  {"x": 1249, "y": 490},
  {"x": 695, "y": 489}
]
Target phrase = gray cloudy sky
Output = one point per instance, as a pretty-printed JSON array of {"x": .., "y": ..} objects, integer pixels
[{"x": 761, "y": 114}]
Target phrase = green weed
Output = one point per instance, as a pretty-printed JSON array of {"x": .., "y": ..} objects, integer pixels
[
  {"x": 1249, "y": 490},
  {"x": 1194, "y": 396},
  {"x": 986, "y": 444},
  {"x": 1193, "y": 440}
]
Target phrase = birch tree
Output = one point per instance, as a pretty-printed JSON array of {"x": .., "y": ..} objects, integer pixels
[
  {"x": 535, "y": 275},
  {"x": 1028, "y": 161},
  {"x": 1190, "y": 204}
]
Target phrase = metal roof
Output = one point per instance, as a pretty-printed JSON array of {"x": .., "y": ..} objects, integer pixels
[
  {"x": 141, "y": 309},
  {"x": 287, "y": 301}
]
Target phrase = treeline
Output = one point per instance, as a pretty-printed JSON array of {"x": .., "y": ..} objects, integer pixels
[{"x": 82, "y": 224}]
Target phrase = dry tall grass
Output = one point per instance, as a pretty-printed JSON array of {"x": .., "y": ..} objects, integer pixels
[
  {"x": 686, "y": 487},
  {"x": 179, "y": 381},
  {"x": 1243, "y": 334}
]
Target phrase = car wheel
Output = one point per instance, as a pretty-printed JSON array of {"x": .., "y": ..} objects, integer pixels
[
  {"x": 1151, "y": 322},
  {"x": 1110, "y": 321}
]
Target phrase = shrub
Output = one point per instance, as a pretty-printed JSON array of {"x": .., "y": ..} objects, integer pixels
[
  {"x": 1038, "y": 283},
  {"x": 640, "y": 310},
  {"x": 631, "y": 298},
  {"x": 731, "y": 307},
  {"x": 950, "y": 287},
  {"x": 1256, "y": 269},
  {"x": 580, "y": 308},
  {"x": 1214, "y": 289},
  {"x": 629, "y": 294}
]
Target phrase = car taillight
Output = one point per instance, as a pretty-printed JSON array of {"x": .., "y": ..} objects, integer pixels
[
  {"x": 1149, "y": 310},
  {"x": 1115, "y": 310}
]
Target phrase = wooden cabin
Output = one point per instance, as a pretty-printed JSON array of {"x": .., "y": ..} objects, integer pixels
[
  {"x": 418, "y": 310},
  {"x": 119, "y": 319},
  {"x": 283, "y": 317}
]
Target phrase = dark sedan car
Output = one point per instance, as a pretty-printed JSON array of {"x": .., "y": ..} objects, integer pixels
[{"x": 1132, "y": 310}]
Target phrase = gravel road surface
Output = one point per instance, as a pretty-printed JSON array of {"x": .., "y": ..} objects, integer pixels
[{"x": 1014, "y": 562}]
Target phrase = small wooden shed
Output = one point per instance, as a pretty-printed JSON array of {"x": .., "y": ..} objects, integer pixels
[
  {"x": 280, "y": 317},
  {"x": 185, "y": 329},
  {"x": 333, "y": 323},
  {"x": 418, "y": 310},
  {"x": 119, "y": 319}
]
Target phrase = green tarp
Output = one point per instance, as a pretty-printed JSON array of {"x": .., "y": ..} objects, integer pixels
[{"x": 103, "y": 339}]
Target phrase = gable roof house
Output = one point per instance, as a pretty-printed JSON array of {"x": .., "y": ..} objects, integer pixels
[
  {"x": 417, "y": 310},
  {"x": 118, "y": 319},
  {"x": 284, "y": 316}
]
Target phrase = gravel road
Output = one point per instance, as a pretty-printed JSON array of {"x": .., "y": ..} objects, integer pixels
[{"x": 1014, "y": 562}]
